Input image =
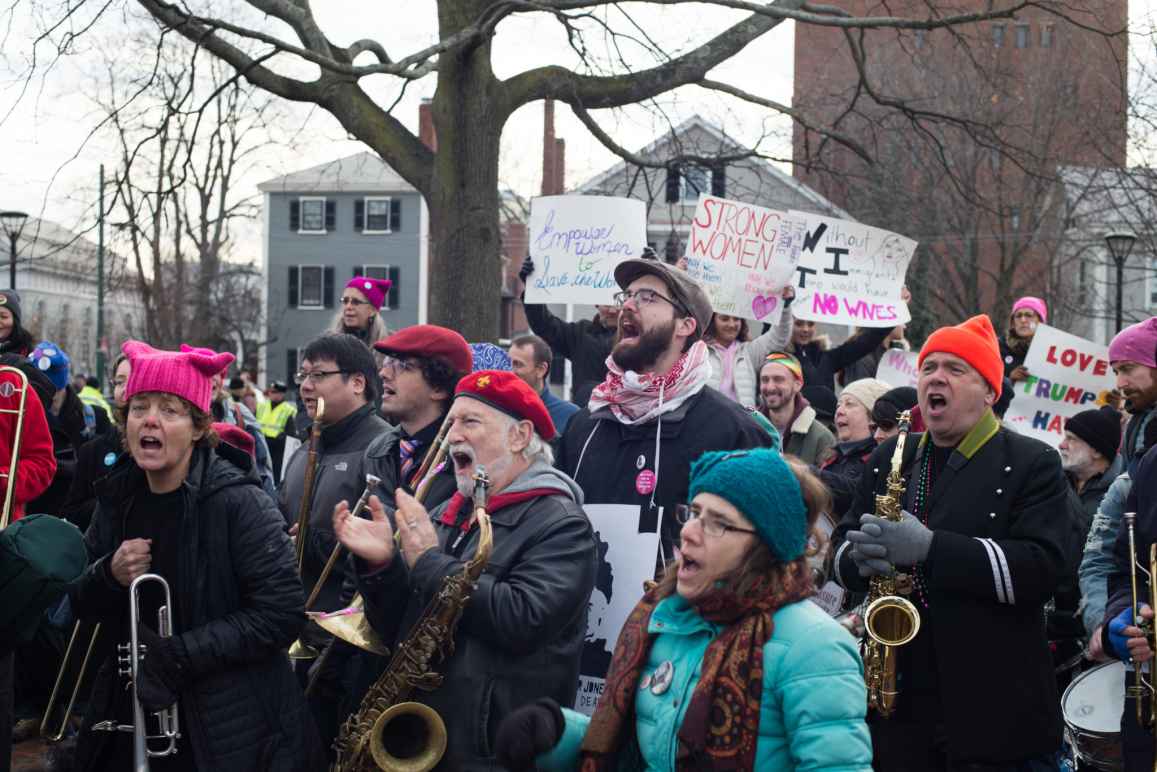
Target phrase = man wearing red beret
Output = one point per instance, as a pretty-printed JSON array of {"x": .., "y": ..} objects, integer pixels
[
  {"x": 522, "y": 632},
  {"x": 982, "y": 533},
  {"x": 421, "y": 365}
]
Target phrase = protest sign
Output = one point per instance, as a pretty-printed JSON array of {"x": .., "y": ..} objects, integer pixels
[
  {"x": 1067, "y": 375},
  {"x": 898, "y": 367},
  {"x": 743, "y": 255},
  {"x": 576, "y": 242},
  {"x": 628, "y": 543},
  {"x": 850, "y": 273}
]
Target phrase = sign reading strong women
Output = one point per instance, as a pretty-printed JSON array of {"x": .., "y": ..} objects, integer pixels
[{"x": 576, "y": 242}]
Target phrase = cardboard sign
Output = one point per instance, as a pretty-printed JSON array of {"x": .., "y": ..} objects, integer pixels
[
  {"x": 576, "y": 242},
  {"x": 743, "y": 255},
  {"x": 1067, "y": 375},
  {"x": 627, "y": 551},
  {"x": 898, "y": 368},
  {"x": 851, "y": 273}
]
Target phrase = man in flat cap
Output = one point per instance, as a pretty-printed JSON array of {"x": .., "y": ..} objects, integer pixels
[{"x": 522, "y": 631}]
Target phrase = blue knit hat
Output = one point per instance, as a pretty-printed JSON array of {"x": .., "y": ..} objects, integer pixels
[
  {"x": 761, "y": 485},
  {"x": 53, "y": 362}
]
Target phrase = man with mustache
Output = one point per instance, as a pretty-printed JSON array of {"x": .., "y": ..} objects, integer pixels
[
  {"x": 1133, "y": 357},
  {"x": 654, "y": 413},
  {"x": 982, "y": 537},
  {"x": 521, "y": 634}
]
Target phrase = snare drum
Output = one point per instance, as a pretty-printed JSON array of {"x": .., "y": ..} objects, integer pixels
[{"x": 1092, "y": 706}]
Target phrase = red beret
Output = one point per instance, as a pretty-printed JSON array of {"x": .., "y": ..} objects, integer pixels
[
  {"x": 237, "y": 437},
  {"x": 505, "y": 391},
  {"x": 431, "y": 341}
]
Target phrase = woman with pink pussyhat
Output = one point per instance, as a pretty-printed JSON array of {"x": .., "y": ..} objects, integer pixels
[
  {"x": 1027, "y": 313},
  {"x": 361, "y": 301},
  {"x": 180, "y": 505}
]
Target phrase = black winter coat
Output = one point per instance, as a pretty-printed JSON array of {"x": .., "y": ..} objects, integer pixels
[
  {"x": 586, "y": 343},
  {"x": 94, "y": 460},
  {"x": 605, "y": 457},
  {"x": 239, "y": 606},
  {"x": 820, "y": 365},
  {"x": 999, "y": 516},
  {"x": 521, "y": 634},
  {"x": 842, "y": 470}
]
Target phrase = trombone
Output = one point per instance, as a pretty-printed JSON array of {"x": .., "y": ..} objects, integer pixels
[
  {"x": 1143, "y": 686},
  {"x": 129, "y": 661}
]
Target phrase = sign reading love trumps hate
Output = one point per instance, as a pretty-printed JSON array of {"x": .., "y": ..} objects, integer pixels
[
  {"x": 743, "y": 255},
  {"x": 850, "y": 273},
  {"x": 576, "y": 242},
  {"x": 1067, "y": 375}
]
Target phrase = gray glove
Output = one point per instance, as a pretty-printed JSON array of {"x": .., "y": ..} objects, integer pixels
[
  {"x": 869, "y": 559},
  {"x": 906, "y": 542}
]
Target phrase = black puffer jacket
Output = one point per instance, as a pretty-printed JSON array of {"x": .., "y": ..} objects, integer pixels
[
  {"x": 586, "y": 343},
  {"x": 239, "y": 606},
  {"x": 522, "y": 631},
  {"x": 842, "y": 470}
]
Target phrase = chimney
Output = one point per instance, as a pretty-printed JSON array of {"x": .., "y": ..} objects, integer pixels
[
  {"x": 560, "y": 165},
  {"x": 549, "y": 150},
  {"x": 426, "y": 131}
]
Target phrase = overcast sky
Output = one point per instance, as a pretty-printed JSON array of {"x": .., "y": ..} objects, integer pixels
[{"x": 50, "y": 157}]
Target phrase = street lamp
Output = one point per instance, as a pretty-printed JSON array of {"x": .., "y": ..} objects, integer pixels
[
  {"x": 1120, "y": 245},
  {"x": 13, "y": 223}
]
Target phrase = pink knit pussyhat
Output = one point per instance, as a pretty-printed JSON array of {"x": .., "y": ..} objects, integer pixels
[
  {"x": 1032, "y": 304},
  {"x": 187, "y": 349},
  {"x": 184, "y": 374},
  {"x": 375, "y": 290}
]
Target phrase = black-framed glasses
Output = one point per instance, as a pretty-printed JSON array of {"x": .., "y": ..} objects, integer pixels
[
  {"x": 352, "y": 301},
  {"x": 317, "y": 376},
  {"x": 645, "y": 297},
  {"x": 398, "y": 364},
  {"x": 712, "y": 526}
]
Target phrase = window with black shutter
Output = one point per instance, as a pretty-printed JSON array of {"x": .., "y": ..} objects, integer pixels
[
  {"x": 310, "y": 286},
  {"x": 330, "y": 215},
  {"x": 295, "y": 215},
  {"x": 359, "y": 214},
  {"x": 292, "y": 294},
  {"x": 395, "y": 278},
  {"x": 291, "y": 365},
  {"x": 377, "y": 214},
  {"x": 719, "y": 180},
  {"x": 314, "y": 215},
  {"x": 395, "y": 214},
  {"x": 673, "y": 184}
]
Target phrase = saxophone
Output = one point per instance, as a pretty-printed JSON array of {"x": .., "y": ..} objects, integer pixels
[
  {"x": 890, "y": 621},
  {"x": 386, "y": 732}
]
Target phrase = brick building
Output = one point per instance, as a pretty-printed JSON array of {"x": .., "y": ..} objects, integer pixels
[{"x": 1035, "y": 92}]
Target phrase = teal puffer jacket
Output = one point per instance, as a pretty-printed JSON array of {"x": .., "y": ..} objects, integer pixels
[{"x": 814, "y": 701}]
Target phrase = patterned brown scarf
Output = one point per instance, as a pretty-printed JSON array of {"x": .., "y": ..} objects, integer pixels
[{"x": 721, "y": 726}]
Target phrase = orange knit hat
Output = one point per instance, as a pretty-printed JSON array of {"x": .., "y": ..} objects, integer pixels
[{"x": 974, "y": 341}]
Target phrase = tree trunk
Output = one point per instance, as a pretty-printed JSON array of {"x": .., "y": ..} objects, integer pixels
[{"x": 465, "y": 241}]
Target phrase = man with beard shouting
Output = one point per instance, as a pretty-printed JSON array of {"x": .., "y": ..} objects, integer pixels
[{"x": 654, "y": 413}]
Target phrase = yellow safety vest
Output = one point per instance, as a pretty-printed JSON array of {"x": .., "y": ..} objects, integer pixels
[
  {"x": 273, "y": 418},
  {"x": 94, "y": 399}
]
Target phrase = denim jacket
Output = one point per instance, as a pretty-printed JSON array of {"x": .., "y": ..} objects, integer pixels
[{"x": 1097, "y": 561}]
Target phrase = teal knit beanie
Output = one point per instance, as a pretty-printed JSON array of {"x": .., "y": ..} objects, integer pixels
[{"x": 761, "y": 485}]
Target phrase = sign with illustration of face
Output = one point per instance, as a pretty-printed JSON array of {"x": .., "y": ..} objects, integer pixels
[{"x": 851, "y": 273}]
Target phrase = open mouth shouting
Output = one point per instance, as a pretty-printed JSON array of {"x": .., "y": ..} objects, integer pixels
[
  {"x": 688, "y": 566},
  {"x": 628, "y": 328},
  {"x": 937, "y": 404},
  {"x": 151, "y": 444},
  {"x": 463, "y": 457}
]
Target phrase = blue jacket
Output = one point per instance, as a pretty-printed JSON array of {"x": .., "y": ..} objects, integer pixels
[
  {"x": 1097, "y": 561},
  {"x": 560, "y": 410},
  {"x": 814, "y": 700}
]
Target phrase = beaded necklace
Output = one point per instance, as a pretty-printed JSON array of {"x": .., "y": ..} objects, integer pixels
[{"x": 920, "y": 509}]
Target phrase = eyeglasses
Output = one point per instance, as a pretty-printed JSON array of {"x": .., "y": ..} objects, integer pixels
[
  {"x": 354, "y": 302},
  {"x": 397, "y": 363},
  {"x": 645, "y": 297},
  {"x": 713, "y": 527},
  {"x": 317, "y": 376}
]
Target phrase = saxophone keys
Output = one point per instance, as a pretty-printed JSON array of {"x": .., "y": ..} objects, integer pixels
[{"x": 904, "y": 584}]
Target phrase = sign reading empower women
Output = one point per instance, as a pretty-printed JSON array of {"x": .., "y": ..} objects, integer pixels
[{"x": 576, "y": 242}]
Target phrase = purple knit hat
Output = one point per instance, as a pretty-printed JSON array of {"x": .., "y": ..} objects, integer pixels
[
  {"x": 185, "y": 374},
  {"x": 1136, "y": 343},
  {"x": 1032, "y": 304},
  {"x": 375, "y": 290}
]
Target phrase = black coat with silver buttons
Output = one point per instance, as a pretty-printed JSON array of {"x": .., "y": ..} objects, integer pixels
[{"x": 980, "y": 666}]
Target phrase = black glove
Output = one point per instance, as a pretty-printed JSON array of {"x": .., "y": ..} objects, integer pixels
[
  {"x": 526, "y": 270},
  {"x": 160, "y": 675},
  {"x": 528, "y": 731}
]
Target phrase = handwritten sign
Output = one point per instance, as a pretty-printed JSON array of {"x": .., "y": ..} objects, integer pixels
[
  {"x": 743, "y": 255},
  {"x": 850, "y": 273},
  {"x": 628, "y": 544},
  {"x": 898, "y": 368},
  {"x": 1067, "y": 375},
  {"x": 576, "y": 242}
]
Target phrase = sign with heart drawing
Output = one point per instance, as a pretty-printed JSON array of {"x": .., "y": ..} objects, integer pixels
[{"x": 743, "y": 255}]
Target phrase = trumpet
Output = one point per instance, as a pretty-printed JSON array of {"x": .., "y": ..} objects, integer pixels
[
  {"x": 299, "y": 649},
  {"x": 129, "y": 660},
  {"x": 1143, "y": 686}
]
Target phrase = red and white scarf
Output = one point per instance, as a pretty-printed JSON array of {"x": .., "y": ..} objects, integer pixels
[{"x": 637, "y": 398}]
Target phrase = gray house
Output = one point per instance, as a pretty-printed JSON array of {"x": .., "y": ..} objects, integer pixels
[{"x": 323, "y": 226}]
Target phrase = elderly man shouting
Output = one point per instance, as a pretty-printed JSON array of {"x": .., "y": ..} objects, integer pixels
[{"x": 520, "y": 636}]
